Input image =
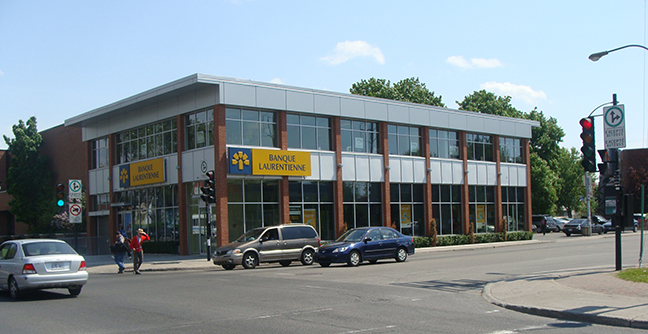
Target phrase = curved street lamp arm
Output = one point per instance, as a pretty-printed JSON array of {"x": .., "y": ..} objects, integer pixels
[{"x": 598, "y": 55}]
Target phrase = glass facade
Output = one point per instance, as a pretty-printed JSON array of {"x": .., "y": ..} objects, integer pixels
[
  {"x": 252, "y": 203},
  {"x": 407, "y": 209},
  {"x": 511, "y": 150},
  {"x": 359, "y": 136},
  {"x": 100, "y": 149},
  {"x": 309, "y": 132},
  {"x": 199, "y": 129},
  {"x": 480, "y": 147},
  {"x": 251, "y": 127},
  {"x": 446, "y": 209},
  {"x": 481, "y": 204},
  {"x": 444, "y": 144},
  {"x": 311, "y": 202},
  {"x": 147, "y": 141},
  {"x": 155, "y": 210},
  {"x": 404, "y": 140},
  {"x": 513, "y": 208},
  {"x": 362, "y": 204}
]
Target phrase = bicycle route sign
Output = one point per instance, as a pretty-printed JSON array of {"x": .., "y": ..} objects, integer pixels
[{"x": 614, "y": 133}]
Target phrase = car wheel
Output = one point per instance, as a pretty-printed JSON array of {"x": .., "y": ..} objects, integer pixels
[
  {"x": 354, "y": 259},
  {"x": 401, "y": 255},
  {"x": 250, "y": 260},
  {"x": 325, "y": 264},
  {"x": 14, "y": 290},
  {"x": 307, "y": 257},
  {"x": 74, "y": 290},
  {"x": 284, "y": 263},
  {"x": 228, "y": 266},
  {"x": 634, "y": 228}
]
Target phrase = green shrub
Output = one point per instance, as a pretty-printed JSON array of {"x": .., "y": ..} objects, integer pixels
[{"x": 451, "y": 240}]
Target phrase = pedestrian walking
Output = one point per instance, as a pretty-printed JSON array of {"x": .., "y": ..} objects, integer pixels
[
  {"x": 543, "y": 226},
  {"x": 138, "y": 252},
  {"x": 119, "y": 250}
]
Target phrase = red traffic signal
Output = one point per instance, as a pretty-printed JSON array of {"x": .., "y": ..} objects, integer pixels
[
  {"x": 209, "y": 188},
  {"x": 589, "y": 144},
  {"x": 586, "y": 123}
]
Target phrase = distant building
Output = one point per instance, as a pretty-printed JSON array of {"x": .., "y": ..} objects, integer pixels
[{"x": 289, "y": 154}]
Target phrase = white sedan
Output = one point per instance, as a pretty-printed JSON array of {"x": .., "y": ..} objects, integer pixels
[{"x": 33, "y": 264}]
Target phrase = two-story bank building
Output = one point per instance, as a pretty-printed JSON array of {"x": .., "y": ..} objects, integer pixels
[{"x": 288, "y": 154}]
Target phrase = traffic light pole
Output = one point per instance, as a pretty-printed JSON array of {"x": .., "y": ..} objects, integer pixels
[
  {"x": 617, "y": 215},
  {"x": 209, "y": 235}
]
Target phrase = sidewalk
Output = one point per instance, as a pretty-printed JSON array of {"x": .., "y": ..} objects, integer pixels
[{"x": 588, "y": 294}]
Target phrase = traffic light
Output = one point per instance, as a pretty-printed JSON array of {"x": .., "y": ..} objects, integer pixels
[
  {"x": 60, "y": 202},
  {"x": 610, "y": 165},
  {"x": 589, "y": 145},
  {"x": 209, "y": 188}
]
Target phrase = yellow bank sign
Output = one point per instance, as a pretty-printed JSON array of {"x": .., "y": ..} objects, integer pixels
[
  {"x": 141, "y": 173},
  {"x": 287, "y": 163}
]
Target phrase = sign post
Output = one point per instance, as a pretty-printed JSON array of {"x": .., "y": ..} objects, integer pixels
[{"x": 614, "y": 126}]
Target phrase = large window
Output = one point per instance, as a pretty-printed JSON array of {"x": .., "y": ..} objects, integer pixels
[
  {"x": 100, "y": 153},
  {"x": 446, "y": 208},
  {"x": 153, "y": 209},
  {"x": 251, "y": 127},
  {"x": 147, "y": 142},
  {"x": 404, "y": 140},
  {"x": 311, "y": 202},
  {"x": 362, "y": 204},
  {"x": 359, "y": 136},
  {"x": 309, "y": 132},
  {"x": 407, "y": 209},
  {"x": 252, "y": 203},
  {"x": 199, "y": 129},
  {"x": 444, "y": 144},
  {"x": 510, "y": 150},
  {"x": 482, "y": 208},
  {"x": 480, "y": 147},
  {"x": 513, "y": 208}
]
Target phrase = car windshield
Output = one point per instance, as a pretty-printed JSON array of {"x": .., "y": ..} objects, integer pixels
[
  {"x": 47, "y": 248},
  {"x": 251, "y": 235},
  {"x": 351, "y": 236}
]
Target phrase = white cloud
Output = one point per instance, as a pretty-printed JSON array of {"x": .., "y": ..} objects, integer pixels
[
  {"x": 351, "y": 49},
  {"x": 276, "y": 81},
  {"x": 461, "y": 62},
  {"x": 525, "y": 93}
]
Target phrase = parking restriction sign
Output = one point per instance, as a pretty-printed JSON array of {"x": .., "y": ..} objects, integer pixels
[{"x": 614, "y": 126}]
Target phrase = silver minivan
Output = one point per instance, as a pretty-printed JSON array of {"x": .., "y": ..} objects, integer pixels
[{"x": 281, "y": 243}]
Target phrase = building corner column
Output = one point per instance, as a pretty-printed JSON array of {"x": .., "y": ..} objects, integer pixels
[
  {"x": 220, "y": 176},
  {"x": 386, "y": 193},
  {"x": 284, "y": 193},
  {"x": 528, "y": 207},
  {"x": 465, "y": 189},
  {"x": 499, "y": 209},
  {"x": 183, "y": 233},
  {"x": 430, "y": 226},
  {"x": 340, "y": 224}
]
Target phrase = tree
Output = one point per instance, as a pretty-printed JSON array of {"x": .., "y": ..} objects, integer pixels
[
  {"x": 29, "y": 180},
  {"x": 570, "y": 176},
  {"x": 407, "y": 90},
  {"x": 543, "y": 186},
  {"x": 489, "y": 103}
]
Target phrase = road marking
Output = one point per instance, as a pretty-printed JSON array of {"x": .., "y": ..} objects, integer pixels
[
  {"x": 368, "y": 330},
  {"x": 493, "y": 311},
  {"x": 520, "y": 330}
]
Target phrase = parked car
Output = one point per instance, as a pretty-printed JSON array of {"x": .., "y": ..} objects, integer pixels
[
  {"x": 33, "y": 264},
  {"x": 561, "y": 221},
  {"x": 282, "y": 243},
  {"x": 537, "y": 223},
  {"x": 607, "y": 227},
  {"x": 576, "y": 227},
  {"x": 366, "y": 244}
]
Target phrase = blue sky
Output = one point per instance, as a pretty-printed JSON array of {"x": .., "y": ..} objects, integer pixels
[{"x": 59, "y": 59}]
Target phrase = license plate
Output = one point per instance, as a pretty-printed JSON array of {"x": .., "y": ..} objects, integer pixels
[{"x": 57, "y": 266}]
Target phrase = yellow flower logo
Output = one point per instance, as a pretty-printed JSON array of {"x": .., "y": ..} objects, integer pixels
[
  {"x": 123, "y": 175},
  {"x": 240, "y": 159}
]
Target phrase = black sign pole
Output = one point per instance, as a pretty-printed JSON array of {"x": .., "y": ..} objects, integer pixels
[{"x": 209, "y": 215}]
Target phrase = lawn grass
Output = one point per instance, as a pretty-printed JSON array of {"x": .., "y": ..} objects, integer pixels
[{"x": 634, "y": 275}]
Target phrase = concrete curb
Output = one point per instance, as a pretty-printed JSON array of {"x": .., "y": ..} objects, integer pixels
[{"x": 561, "y": 314}]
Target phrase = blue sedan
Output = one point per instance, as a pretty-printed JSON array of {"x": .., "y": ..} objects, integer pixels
[{"x": 366, "y": 244}]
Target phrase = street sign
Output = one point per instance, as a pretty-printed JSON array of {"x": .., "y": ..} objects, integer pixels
[
  {"x": 75, "y": 189},
  {"x": 614, "y": 126},
  {"x": 75, "y": 213}
]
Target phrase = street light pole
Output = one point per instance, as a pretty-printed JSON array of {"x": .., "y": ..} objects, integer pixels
[{"x": 598, "y": 55}]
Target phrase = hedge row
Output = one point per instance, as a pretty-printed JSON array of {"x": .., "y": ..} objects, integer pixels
[{"x": 451, "y": 240}]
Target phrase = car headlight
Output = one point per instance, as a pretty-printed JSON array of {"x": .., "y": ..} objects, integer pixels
[
  {"x": 340, "y": 249},
  {"x": 234, "y": 251}
]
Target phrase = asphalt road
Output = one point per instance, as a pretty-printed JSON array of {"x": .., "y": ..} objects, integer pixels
[{"x": 429, "y": 293}]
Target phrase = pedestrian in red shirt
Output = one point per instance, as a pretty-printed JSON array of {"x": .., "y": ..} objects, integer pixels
[{"x": 138, "y": 252}]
